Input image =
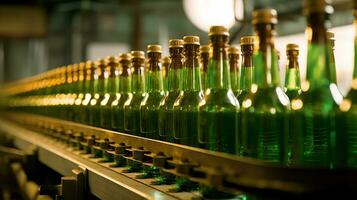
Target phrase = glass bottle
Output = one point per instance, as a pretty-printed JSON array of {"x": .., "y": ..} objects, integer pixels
[
  {"x": 149, "y": 108},
  {"x": 111, "y": 95},
  {"x": 80, "y": 92},
  {"x": 124, "y": 90},
  {"x": 204, "y": 59},
  {"x": 331, "y": 45},
  {"x": 166, "y": 110},
  {"x": 247, "y": 67},
  {"x": 346, "y": 124},
  {"x": 263, "y": 117},
  {"x": 186, "y": 105},
  {"x": 166, "y": 62},
  {"x": 132, "y": 105},
  {"x": 98, "y": 93},
  {"x": 218, "y": 110},
  {"x": 314, "y": 110},
  {"x": 72, "y": 93},
  {"x": 292, "y": 75},
  {"x": 90, "y": 85},
  {"x": 233, "y": 57}
]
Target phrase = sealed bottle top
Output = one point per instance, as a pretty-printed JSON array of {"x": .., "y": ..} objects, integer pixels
[
  {"x": 154, "y": 48},
  {"x": 317, "y": 6},
  {"x": 175, "y": 43},
  {"x": 292, "y": 47},
  {"x": 90, "y": 64},
  {"x": 204, "y": 49},
  {"x": 138, "y": 54},
  {"x": 124, "y": 57},
  {"x": 191, "y": 39},
  {"x": 166, "y": 60},
  {"x": 247, "y": 40},
  {"x": 331, "y": 38},
  {"x": 218, "y": 30},
  {"x": 233, "y": 50},
  {"x": 111, "y": 59},
  {"x": 265, "y": 15}
]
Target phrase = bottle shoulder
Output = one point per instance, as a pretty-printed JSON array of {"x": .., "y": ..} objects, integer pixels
[
  {"x": 219, "y": 99},
  {"x": 265, "y": 99},
  {"x": 189, "y": 98}
]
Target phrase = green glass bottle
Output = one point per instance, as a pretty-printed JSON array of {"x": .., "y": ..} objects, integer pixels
[
  {"x": 166, "y": 62},
  {"x": 89, "y": 89},
  {"x": 72, "y": 93},
  {"x": 124, "y": 90},
  {"x": 292, "y": 75},
  {"x": 247, "y": 67},
  {"x": 186, "y": 105},
  {"x": 314, "y": 111},
  {"x": 99, "y": 88},
  {"x": 166, "y": 110},
  {"x": 137, "y": 94},
  {"x": 81, "y": 92},
  {"x": 149, "y": 108},
  {"x": 233, "y": 57},
  {"x": 331, "y": 45},
  {"x": 218, "y": 111},
  {"x": 204, "y": 60},
  {"x": 346, "y": 125},
  {"x": 111, "y": 95},
  {"x": 264, "y": 127}
]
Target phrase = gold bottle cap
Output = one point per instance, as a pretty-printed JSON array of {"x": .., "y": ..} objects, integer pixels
[
  {"x": 218, "y": 30},
  {"x": 69, "y": 68},
  {"x": 330, "y": 35},
  {"x": 166, "y": 59},
  {"x": 175, "y": 43},
  {"x": 317, "y": 6},
  {"x": 111, "y": 59},
  {"x": 265, "y": 15},
  {"x": 153, "y": 48},
  {"x": 125, "y": 56},
  {"x": 247, "y": 40},
  {"x": 204, "y": 48},
  {"x": 191, "y": 39},
  {"x": 90, "y": 64},
  {"x": 233, "y": 50},
  {"x": 138, "y": 54},
  {"x": 101, "y": 61},
  {"x": 82, "y": 65},
  {"x": 75, "y": 67},
  {"x": 292, "y": 47}
]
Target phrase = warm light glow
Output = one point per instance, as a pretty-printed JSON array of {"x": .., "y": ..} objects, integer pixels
[
  {"x": 247, "y": 103},
  {"x": 254, "y": 88},
  {"x": 205, "y": 13},
  {"x": 345, "y": 105},
  {"x": 296, "y": 104}
]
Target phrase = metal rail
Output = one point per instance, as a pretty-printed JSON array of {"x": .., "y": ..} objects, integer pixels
[{"x": 224, "y": 171}]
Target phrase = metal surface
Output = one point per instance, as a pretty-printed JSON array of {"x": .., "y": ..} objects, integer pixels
[
  {"x": 103, "y": 182},
  {"x": 224, "y": 171}
]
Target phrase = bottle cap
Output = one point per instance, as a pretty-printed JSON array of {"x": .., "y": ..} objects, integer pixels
[
  {"x": 247, "y": 40},
  {"x": 330, "y": 35},
  {"x": 265, "y": 15},
  {"x": 233, "y": 50},
  {"x": 317, "y": 6},
  {"x": 292, "y": 47},
  {"x": 153, "y": 48},
  {"x": 166, "y": 59},
  {"x": 125, "y": 56},
  {"x": 204, "y": 48},
  {"x": 111, "y": 59},
  {"x": 81, "y": 65},
  {"x": 90, "y": 64},
  {"x": 191, "y": 39},
  {"x": 75, "y": 67},
  {"x": 218, "y": 30},
  {"x": 175, "y": 43},
  {"x": 69, "y": 68},
  {"x": 138, "y": 54}
]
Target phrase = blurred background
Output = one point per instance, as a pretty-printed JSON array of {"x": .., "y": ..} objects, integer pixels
[{"x": 37, "y": 35}]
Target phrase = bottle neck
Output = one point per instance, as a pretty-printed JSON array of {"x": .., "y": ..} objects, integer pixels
[
  {"x": 318, "y": 55},
  {"x": 292, "y": 77},
  {"x": 138, "y": 76},
  {"x": 102, "y": 82},
  {"x": 204, "y": 61},
  {"x": 125, "y": 77},
  {"x": 175, "y": 69},
  {"x": 247, "y": 67},
  {"x": 218, "y": 68},
  {"x": 234, "y": 71},
  {"x": 154, "y": 78},
  {"x": 355, "y": 55},
  {"x": 191, "y": 75},
  {"x": 266, "y": 58}
]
